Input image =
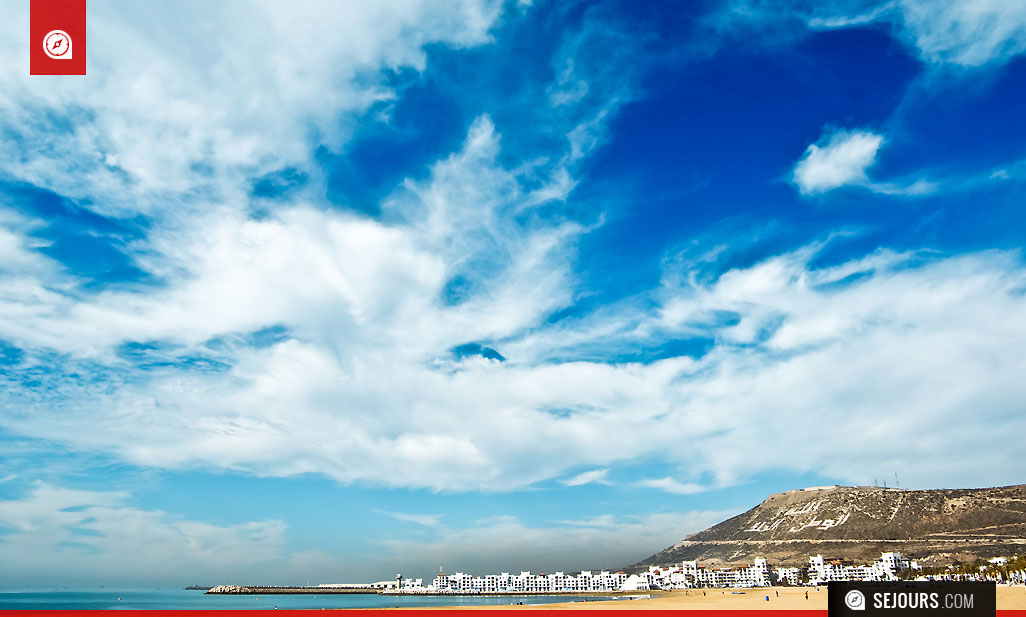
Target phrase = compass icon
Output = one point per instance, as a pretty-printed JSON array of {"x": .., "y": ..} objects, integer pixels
[{"x": 57, "y": 45}]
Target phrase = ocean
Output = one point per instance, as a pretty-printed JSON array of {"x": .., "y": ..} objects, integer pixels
[{"x": 182, "y": 599}]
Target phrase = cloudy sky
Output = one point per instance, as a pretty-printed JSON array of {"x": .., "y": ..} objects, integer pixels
[{"x": 299, "y": 291}]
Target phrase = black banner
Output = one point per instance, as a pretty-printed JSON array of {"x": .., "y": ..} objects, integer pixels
[{"x": 940, "y": 598}]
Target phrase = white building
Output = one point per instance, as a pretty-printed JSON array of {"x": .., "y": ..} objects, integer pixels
[
  {"x": 788, "y": 576},
  {"x": 637, "y": 582},
  {"x": 689, "y": 574},
  {"x": 525, "y": 582},
  {"x": 888, "y": 568},
  {"x": 893, "y": 563}
]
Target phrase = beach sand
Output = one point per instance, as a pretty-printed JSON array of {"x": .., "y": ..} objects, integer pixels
[{"x": 790, "y": 598}]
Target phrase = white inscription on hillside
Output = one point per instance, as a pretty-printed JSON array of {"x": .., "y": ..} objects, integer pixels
[{"x": 807, "y": 516}]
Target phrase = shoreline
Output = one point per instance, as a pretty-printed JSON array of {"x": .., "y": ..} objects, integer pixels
[
  {"x": 301, "y": 590},
  {"x": 1009, "y": 598},
  {"x": 493, "y": 594},
  {"x": 247, "y": 590}
]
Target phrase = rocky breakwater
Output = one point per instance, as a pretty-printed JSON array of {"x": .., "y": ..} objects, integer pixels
[
  {"x": 268, "y": 590},
  {"x": 230, "y": 589}
]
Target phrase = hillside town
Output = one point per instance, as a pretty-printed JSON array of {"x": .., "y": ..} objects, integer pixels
[{"x": 689, "y": 575}]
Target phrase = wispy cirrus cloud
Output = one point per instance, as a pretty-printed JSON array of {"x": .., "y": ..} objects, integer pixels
[
  {"x": 953, "y": 32},
  {"x": 173, "y": 117},
  {"x": 600, "y": 543},
  {"x": 319, "y": 297},
  {"x": 427, "y": 520},
  {"x": 88, "y": 537},
  {"x": 963, "y": 34},
  {"x": 597, "y": 476}
]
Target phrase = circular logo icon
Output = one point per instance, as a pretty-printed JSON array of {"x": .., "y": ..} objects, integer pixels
[
  {"x": 57, "y": 45},
  {"x": 855, "y": 600}
]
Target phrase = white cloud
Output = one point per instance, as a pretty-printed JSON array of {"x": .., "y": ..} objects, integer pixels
[
  {"x": 670, "y": 485},
  {"x": 89, "y": 537},
  {"x": 837, "y": 364},
  {"x": 966, "y": 32},
  {"x": 604, "y": 542},
  {"x": 380, "y": 401},
  {"x": 917, "y": 187},
  {"x": 362, "y": 302},
  {"x": 963, "y": 33},
  {"x": 593, "y": 80},
  {"x": 427, "y": 520},
  {"x": 858, "y": 19},
  {"x": 361, "y": 385},
  {"x": 598, "y": 476},
  {"x": 839, "y": 158},
  {"x": 192, "y": 99}
]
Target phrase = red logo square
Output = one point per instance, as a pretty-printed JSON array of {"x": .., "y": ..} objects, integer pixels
[{"x": 57, "y": 37}]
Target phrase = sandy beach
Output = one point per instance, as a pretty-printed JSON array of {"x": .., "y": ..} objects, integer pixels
[{"x": 780, "y": 598}]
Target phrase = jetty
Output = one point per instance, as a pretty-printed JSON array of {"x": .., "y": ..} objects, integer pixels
[{"x": 252, "y": 590}]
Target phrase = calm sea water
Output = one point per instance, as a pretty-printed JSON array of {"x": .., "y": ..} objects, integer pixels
[{"x": 180, "y": 599}]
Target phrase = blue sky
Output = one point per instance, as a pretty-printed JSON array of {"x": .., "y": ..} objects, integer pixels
[{"x": 289, "y": 293}]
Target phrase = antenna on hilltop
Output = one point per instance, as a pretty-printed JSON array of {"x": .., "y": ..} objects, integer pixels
[
  {"x": 874, "y": 483},
  {"x": 896, "y": 483}
]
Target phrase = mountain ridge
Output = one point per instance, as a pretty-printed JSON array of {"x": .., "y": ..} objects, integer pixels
[{"x": 934, "y": 526}]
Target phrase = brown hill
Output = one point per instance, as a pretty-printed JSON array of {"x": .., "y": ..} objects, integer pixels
[{"x": 937, "y": 527}]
